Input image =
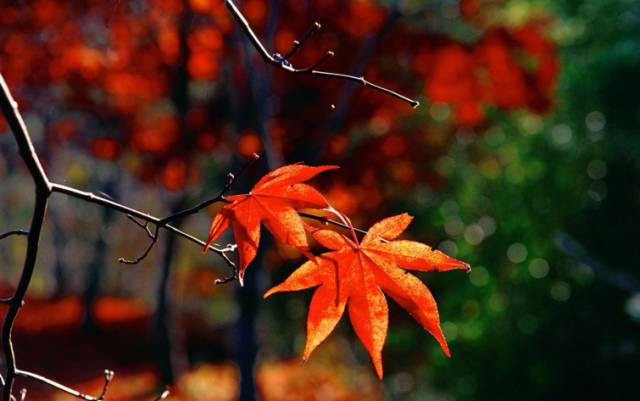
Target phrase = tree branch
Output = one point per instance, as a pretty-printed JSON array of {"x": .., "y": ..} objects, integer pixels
[
  {"x": 283, "y": 61},
  {"x": 23, "y": 139},
  {"x": 154, "y": 239},
  {"x": 42, "y": 191},
  {"x": 108, "y": 376},
  {"x": 327, "y": 220},
  {"x": 13, "y": 232},
  {"x": 218, "y": 198},
  {"x": 104, "y": 202},
  {"x": 298, "y": 43}
]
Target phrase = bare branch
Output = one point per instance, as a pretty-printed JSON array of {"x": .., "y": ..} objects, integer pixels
[
  {"x": 143, "y": 225},
  {"x": 13, "y": 232},
  {"x": 234, "y": 268},
  {"x": 98, "y": 200},
  {"x": 195, "y": 209},
  {"x": 283, "y": 61},
  {"x": 154, "y": 239},
  {"x": 240, "y": 19},
  {"x": 42, "y": 191},
  {"x": 23, "y": 139},
  {"x": 326, "y": 220},
  {"x": 298, "y": 43},
  {"x": 320, "y": 62},
  {"x": 218, "y": 198},
  {"x": 108, "y": 376}
]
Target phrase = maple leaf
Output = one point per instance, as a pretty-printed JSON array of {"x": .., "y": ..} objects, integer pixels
[
  {"x": 355, "y": 275},
  {"x": 273, "y": 201}
]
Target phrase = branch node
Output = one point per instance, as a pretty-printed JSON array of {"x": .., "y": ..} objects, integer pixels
[
  {"x": 281, "y": 60},
  {"x": 234, "y": 269}
]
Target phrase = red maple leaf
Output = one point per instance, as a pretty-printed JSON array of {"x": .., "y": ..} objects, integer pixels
[
  {"x": 273, "y": 201},
  {"x": 356, "y": 275}
]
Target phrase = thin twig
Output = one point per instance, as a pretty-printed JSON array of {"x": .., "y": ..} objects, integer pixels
[
  {"x": 98, "y": 200},
  {"x": 143, "y": 225},
  {"x": 108, "y": 376},
  {"x": 318, "y": 63},
  {"x": 283, "y": 62},
  {"x": 337, "y": 119},
  {"x": 298, "y": 43},
  {"x": 195, "y": 209},
  {"x": 154, "y": 239},
  {"x": 327, "y": 220},
  {"x": 13, "y": 232},
  {"x": 218, "y": 198},
  {"x": 234, "y": 271},
  {"x": 68, "y": 390}
]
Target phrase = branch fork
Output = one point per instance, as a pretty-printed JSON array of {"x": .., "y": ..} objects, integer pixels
[{"x": 283, "y": 61}]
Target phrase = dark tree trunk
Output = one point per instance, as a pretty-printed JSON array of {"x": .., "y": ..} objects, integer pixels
[
  {"x": 169, "y": 337},
  {"x": 96, "y": 267}
]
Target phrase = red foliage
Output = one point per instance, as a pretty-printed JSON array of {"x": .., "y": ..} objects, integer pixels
[
  {"x": 355, "y": 274},
  {"x": 504, "y": 69},
  {"x": 273, "y": 201}
]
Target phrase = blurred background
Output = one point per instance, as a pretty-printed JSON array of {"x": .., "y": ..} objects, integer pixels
[{"x": 523, "y": 160}]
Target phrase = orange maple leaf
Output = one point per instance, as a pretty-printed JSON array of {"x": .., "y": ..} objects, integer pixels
[
  {"x": 273, "y": 201},
  {"x": 356, "y": 274}
]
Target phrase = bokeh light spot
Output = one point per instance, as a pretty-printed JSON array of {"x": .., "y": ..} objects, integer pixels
[
  {"x": 538, "y": 268},
  {"x": 517, "y": 252}
]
